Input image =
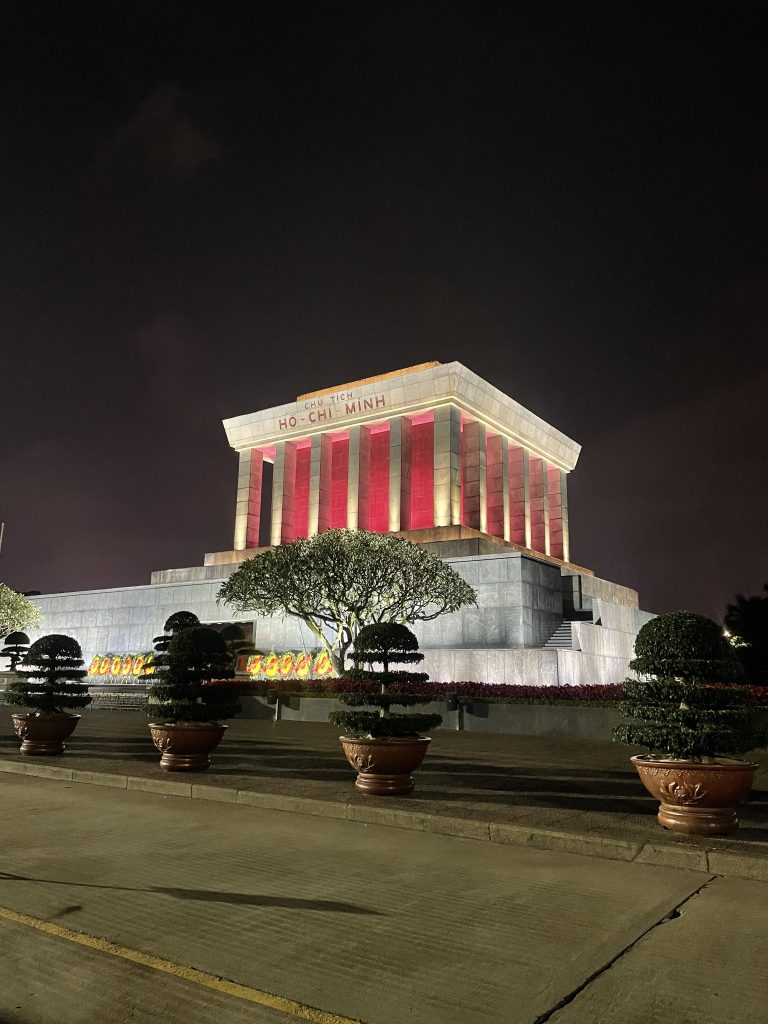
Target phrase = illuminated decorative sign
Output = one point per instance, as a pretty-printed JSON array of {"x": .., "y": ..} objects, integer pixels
[
  {"x": 122, "y": 665},
  {"x": 289, "y": 666}
]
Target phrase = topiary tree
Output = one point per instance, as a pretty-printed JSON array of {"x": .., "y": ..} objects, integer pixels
[
  {"x": 384, "y": 644},
  {"x": 50, "y": 681},
  {"x": 179, "y": 692},
  {"x": 339, "y": 581},
  {"x": 174, "y": 624},
  {"x": 16, "y": 611},
  {"x": 687, "y": 706},
  {"x": 15, "y": 648}
]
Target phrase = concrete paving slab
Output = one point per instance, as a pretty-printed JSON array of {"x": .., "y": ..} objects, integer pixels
[
  {"x": 705, "y": 966},
  {"x": 378, "y": 924},
  {"x": 48, "y": 981}
]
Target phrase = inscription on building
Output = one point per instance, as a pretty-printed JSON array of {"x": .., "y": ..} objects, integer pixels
[{"x": 330, "y": 408}]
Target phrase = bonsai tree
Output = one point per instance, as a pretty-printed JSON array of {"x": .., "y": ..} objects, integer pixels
[
  {"x": 50, "y": 682},
  {"x": 687, "y": 706},
  {"x": 385, "y": 644},
  {"x": 174, "y": 624},
  {"x": 339, "y": 581},
  {"x": 179, "y": 693},
  {"x": 15, "y": 649},
  {"x": 16, "y": 611}
]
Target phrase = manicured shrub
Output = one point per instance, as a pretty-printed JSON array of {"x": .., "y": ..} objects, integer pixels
[
  {"x": 373, "y": 690},
  {"x": 15, "y": 648},
  {"x": 174, "y": 624},
  {"x": 180, "y": 690},
  {"x": 686, "y": 706},
  {"x": 49, "y": 680}
]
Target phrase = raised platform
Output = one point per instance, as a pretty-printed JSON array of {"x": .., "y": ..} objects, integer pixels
[{"x": 444, "y": 541}]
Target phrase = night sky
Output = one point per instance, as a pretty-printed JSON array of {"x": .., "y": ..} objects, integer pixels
[{"x": 208, "y": 209}]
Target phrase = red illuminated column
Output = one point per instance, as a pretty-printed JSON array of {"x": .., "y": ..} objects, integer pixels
[
  {"x": 473, "y": 476},
  {"x": 422, "y": 472},
  {"x": 447, "y": 466},
  {"x": 558, "y": 513},
  {"x": 519, "y": 496},
  {"x": 301, "y": 490},
  {"x": 539, "y": 504},
  {"x": 497, "y": 486},
  {"x": 339, "y": 479}
]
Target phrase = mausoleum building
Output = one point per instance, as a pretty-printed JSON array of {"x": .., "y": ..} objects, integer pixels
[{"x": 433, "y": 453}]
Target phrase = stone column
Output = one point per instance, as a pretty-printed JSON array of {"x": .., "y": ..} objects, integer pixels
[
  {"x": 404, "y": 473},
  {"x": 474, "y": 476},
  {"x": 447, "y": 441},
  {"x": 539, "y": 473},
  {"x": 278, "y": 475},
  {"x": 558, "y": 513},
  {"x": 242, "y": 501},
  {"x": 497, "y": 486},
  {"x": 324, "y": 499},
  {"x": 353, "y": 478},
  {"x": 519, "y": 496},
  {"x": 364, "y": 478},
  {"x": 314, "y": 486},
  {"x": 564, "y": 511},
  {"x": 395, "y": 435}
]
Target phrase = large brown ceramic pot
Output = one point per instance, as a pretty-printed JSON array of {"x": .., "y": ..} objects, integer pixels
[
  {"x": 44, "y": 734},
  {"x": 384, "y": 766},
  {"x": 699, "y": 799},
  {"x": 186, "y": 747}
]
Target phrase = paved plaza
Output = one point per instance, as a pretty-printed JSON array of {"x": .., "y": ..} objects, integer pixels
[
  {"x": 118, "y": 904},
  {"x": 126, "y": 906},
  {"x": 550, "y": 792}
]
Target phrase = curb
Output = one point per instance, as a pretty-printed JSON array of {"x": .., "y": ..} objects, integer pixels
[{"x": 708, "y": 860}]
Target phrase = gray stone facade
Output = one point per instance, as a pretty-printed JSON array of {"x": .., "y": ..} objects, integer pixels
[{"x": 521, "y": 601}]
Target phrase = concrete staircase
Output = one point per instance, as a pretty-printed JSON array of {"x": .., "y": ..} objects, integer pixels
[{"x": 562, "y": 638}]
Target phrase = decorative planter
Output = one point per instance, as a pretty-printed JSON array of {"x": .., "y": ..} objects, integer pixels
[
  {"x": 384, "y": 766},
  {"x": 698, "y": 799},
  {"x": 186, "y": 747},
  {"x": 44, "y": 734}
]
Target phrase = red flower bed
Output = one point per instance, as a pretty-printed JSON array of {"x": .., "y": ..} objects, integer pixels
[{"x": 505, "y": 692}]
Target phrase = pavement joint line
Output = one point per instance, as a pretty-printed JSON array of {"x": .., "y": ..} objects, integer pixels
[
  {"x": 543, "y": 1018},
  {"x": 721, "y": 863},
  {"x": 281, "y": 1004}
]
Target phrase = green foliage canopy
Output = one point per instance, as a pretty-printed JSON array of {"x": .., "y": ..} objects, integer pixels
[
  {"x": 16, "y": 611},
  {"x": 683, "y": 645},
  {"x": 686, "y": 707},
  {"x": 341, "y": 580}
]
